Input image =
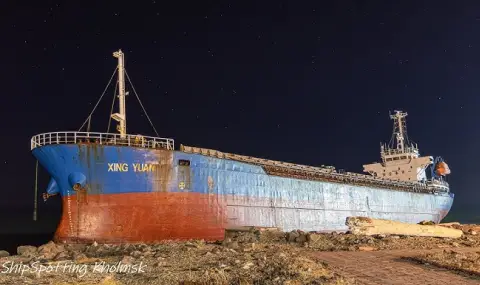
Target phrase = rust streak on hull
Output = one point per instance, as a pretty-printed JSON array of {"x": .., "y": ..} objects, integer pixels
[{"x": 142, "y": 217}]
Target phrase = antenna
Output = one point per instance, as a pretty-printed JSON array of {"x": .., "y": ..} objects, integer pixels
[
  {"x": 121, "y": 116},
  {"x": 399, "y": 130}
]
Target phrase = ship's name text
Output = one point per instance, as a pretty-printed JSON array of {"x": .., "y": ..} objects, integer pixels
[{"x": 137, "y": 167}]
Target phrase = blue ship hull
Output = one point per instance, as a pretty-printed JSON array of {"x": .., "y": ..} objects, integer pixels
[{"x": 117, "y": 193}]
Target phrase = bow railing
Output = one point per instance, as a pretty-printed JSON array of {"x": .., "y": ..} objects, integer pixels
[{"x": 101, "y": 139}]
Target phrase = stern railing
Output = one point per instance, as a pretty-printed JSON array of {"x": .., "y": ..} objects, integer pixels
[{"x": 101, "y": 139}]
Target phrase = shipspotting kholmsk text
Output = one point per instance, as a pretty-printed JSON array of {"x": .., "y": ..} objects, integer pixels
[{"x": 11, "y": 267}]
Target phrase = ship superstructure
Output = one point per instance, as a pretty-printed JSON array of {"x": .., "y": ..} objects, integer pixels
[
  {"x": 400, "y": 159},
  {"x": 118, "y": 187}
]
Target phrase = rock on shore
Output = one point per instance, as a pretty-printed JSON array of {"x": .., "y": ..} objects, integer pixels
[
  {"x": 369, "y": 226},
  {"x": 252, "y": 256}
]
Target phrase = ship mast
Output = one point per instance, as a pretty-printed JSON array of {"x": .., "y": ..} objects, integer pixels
[
  {"x": 399, "y": 145},
  {"x": 121, "y": 116},
  {"x": 399, "y": 129}
]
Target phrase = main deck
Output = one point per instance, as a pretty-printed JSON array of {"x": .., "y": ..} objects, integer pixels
[{"x": 325, "y": 173}]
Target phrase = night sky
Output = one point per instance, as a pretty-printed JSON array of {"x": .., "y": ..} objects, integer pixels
[{"x": 310, "y": 82}]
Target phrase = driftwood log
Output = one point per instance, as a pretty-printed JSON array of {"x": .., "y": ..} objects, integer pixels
[{"x": 368, "y": 226}]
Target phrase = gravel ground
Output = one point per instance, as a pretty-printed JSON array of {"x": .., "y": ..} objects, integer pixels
[
  {"x": 466, "y": 262},
  {"x": 244, "y": 257}
]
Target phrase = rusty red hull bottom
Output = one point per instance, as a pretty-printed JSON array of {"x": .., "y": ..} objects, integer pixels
[{"x": 141, "y": 217}]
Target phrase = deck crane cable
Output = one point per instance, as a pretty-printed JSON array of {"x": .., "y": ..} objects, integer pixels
[
  {"x": 405, "y": 134},
  {"x": 392, "y": 139},
  {"x": 138, "y": 98},
  {"x": 111, "y": 109},
  {"x": 36, "y": 193},
  {"x": 100, "y": 99}
]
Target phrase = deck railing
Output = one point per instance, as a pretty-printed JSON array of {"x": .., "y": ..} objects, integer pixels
[{"x": 101, "y": 139}]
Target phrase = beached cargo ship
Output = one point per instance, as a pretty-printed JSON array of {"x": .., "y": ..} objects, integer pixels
[{"x": 118, "y": 187}]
